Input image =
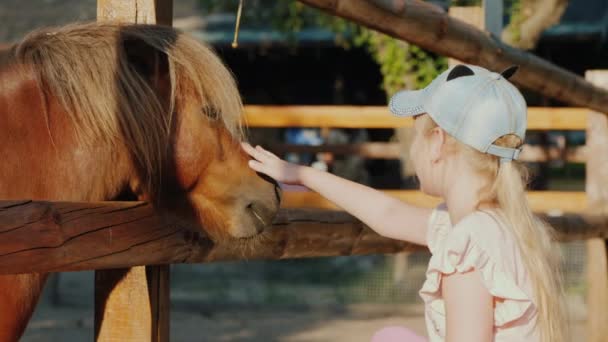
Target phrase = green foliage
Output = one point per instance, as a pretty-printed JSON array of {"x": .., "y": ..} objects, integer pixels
[
  {"x": 514, "y": 9},
  {"x": 402, "y": 65}
]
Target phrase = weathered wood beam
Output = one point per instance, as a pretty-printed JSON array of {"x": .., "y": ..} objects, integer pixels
[
  {"x": 430, "y": 27},
  {"x": 61, "y": 236},
  {"x": 45, "y": 236}
]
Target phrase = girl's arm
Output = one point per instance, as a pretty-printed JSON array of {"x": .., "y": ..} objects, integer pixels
[
  {"x": 384, "y": 214},
  {"x": 468, "y": 307}
]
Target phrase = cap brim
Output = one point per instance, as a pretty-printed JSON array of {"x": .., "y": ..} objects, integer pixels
[{"x": 408, "y": 102}]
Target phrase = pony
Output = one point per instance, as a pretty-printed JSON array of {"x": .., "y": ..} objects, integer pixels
[{"x": 107, "y": 111}]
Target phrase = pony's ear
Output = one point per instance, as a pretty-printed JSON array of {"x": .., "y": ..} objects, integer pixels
[{"x": 150, "y": 63}]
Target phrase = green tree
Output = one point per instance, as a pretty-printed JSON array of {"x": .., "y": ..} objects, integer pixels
[{"x": 403, "y": 65}]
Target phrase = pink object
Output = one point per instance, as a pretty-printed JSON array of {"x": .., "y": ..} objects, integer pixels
[{"x": 396, "y": 334}]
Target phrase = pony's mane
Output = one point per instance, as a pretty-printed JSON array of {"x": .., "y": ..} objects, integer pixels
[{"x": 87, "y": 67}]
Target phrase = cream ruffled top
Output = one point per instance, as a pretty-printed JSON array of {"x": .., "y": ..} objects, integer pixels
[{"x": 479, "y": 241}]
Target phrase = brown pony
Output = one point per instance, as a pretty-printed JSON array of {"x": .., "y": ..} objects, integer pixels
[{"x": 93, "y": 112}]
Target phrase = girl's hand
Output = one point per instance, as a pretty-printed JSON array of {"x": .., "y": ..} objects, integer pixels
[{"x": 271, "y": 165}]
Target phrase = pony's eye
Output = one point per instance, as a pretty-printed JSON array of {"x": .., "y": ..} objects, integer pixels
[{"x": 211, "y": 112}]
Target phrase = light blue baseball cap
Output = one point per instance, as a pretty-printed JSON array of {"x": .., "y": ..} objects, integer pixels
[{"x": 474, "y": 105}]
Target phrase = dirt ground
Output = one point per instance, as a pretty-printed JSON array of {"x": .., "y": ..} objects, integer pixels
[
  {"x": 352, "y": 324},
  {"x": 70, "y": 319}
]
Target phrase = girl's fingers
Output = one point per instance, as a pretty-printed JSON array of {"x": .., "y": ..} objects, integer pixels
[
  {"x": 266, "y": 152},
  {"x": 254, "y": 152},
  {"x": 261, "y": 149},
  {"x": 262, "y": 153},
  {"x": 248, "y": 148},
  {"x": 256, "y": 165},
  {"x": 259, "y": 153}
]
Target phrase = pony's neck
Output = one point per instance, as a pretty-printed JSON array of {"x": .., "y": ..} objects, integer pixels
[{"x": 41, "y": 157}]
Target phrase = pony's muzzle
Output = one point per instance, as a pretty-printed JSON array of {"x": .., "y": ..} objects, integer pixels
[{"x": 263, "y": 214}]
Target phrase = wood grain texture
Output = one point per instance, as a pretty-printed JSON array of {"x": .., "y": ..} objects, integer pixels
[
  {"x": 539, "y": 118},
  {"x": 431, "y": 28},
  {"x": 45, "y": 236},
  {"x": 77, "y": 236}
]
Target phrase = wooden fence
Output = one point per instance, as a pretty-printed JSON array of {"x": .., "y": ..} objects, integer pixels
[
  {"x": 556, "y": 203},
  {"x": 132, "y": 301},
  {"x": 370, "y": 117},
  {"x": 41, "y": 236},
  {"x": 115, "y": 238}
]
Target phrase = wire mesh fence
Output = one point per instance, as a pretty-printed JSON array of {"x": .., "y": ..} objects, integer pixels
[{"x": 321, "y": 282}]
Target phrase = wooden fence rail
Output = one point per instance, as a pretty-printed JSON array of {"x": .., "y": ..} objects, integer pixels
[
  {"x": 380, "y": 150},
  {"x": 539, "y": 118},
  {"x": 63, "y": 236},
  {"x": 552, "y": 202},
  {"x": 430, "y": 27},
  {"x": 370, "y": 117}
]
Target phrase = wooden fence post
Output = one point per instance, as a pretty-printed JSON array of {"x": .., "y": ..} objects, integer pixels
[
  {"x": 136, "y": 11},
  {"x": 597, "y": 195},
  {"x": 133, "y": 304},
  {"x": 473, "y": 15}
]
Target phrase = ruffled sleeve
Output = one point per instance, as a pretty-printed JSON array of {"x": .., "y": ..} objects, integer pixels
[
  {"x": 480, "y": 245},
  {"x": 438, "y": 227}
]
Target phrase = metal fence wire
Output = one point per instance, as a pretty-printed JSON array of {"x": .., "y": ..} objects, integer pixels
[{"x": 331, "y": 281}]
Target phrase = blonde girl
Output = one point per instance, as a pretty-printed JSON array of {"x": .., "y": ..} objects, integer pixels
[{"x": 493, "y": 274}]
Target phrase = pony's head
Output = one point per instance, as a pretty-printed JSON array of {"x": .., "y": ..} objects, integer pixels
[{"x": 169, "y": 101}]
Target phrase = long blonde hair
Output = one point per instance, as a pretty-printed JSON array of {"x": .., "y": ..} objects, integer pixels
[{"x": 506, "y": 185}]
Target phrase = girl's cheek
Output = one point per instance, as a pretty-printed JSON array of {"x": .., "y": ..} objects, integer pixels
[
  {"x": 416, "y": 154},
  {"x": 421, "y": 164}
]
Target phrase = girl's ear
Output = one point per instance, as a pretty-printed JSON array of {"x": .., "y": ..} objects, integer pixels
[{"x": 437, "y": 141}]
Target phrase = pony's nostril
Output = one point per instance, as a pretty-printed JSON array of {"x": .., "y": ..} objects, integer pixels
[
  {"x": 260, "y": 221},
  {"x": 262, "y": 214}
]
